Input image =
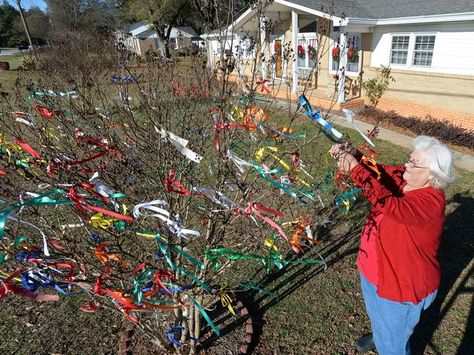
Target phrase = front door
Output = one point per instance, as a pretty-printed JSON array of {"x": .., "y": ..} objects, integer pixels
[{"x": 278, "y": 58}]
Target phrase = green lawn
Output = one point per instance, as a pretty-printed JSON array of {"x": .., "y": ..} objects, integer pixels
[
  {"x": 8, "y": 77},
  {"x": 306, "y": 310}
]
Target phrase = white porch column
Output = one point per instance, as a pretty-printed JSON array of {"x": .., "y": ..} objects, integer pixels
[
  {"x": 341, "y": 98},
  {"x": 209, "y": 47},
  {"x": 263, "y": 46},
  {"x": 294, "y": 44}
]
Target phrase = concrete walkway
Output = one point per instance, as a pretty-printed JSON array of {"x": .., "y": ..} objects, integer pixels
[{"x": 460, "y": 160}]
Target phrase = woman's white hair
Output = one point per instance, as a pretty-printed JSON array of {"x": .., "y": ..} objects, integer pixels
[{"x": 438, "y": 159}]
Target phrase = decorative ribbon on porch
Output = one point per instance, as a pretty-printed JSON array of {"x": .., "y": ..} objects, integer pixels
[{"x": 316, "y": 116}]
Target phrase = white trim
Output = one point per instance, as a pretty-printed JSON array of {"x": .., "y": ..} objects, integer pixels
[
  {"x": 308, "y": 10},
  {"x": 457, "y": 17}
]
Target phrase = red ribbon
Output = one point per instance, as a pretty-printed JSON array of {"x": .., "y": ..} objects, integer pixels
[
  {"x": 223, "y": 125},
  {"x": 80, "y": 137},
  {"x": 44, "y": 112},
  {"x": 263, "y": 86},
  {"x": 171, "y": 182},
  {"x": 260, "y": 211},
  {"x": 27, "y": 148},
  {"x": 9, "y": 287},
  {"x": 295, "y": 159},
  {"x": 84, "y": 205}
]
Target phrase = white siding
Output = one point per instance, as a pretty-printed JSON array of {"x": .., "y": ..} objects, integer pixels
[{"x": 453, "y": 51}]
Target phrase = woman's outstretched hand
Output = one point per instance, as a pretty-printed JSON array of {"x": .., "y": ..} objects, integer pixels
[{"x": 344, "y": 155}]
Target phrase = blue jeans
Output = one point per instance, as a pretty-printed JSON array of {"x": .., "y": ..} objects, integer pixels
[{"x": 392, "y": 322}]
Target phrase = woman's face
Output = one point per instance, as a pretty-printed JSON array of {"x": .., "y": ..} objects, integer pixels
[{"x": 417, "y": 174}]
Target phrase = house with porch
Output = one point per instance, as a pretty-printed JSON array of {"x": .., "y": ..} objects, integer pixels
[
  {"x": 426, "y": 43},
  {"x": 140, "y": 37}
]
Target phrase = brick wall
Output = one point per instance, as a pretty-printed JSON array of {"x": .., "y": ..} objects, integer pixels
[
  {"x": 442, "y": 96},
  {"x": 407, "y": 108}
]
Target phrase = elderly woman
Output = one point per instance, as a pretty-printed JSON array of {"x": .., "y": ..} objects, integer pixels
[{"x": 397, "y": 260}]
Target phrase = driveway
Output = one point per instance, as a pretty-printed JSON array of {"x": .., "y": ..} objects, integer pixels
[{"x": 9, "y": 51}]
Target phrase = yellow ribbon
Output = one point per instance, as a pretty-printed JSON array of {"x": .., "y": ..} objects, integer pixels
[
  {"x": 226, "y": 300},
  {"x": 98, "y": 221},
  {"x": 7, "y": 146},
  {"x": 287, "y": 167},
  {"x": 270, "y": 243}
]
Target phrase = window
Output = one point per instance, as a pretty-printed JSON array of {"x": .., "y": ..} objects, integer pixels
[
  {"x": 423, "y": 52},
  {"x": 412, "y": 50},
  {"x": 352, "y": 51},
  {"x": 399, "y": 52},
  {"x": 307, "y": 52}
]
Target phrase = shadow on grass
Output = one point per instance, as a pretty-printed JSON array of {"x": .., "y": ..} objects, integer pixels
[
  {"x": 456, "y": 257},
  {"x": 278, "y": 285}
]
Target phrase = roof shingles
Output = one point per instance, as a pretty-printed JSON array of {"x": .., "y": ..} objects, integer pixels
[{"x": 383, "y": 9}]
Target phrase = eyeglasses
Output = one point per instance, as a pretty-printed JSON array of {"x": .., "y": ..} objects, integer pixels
[{"x": 412, "y": 164}]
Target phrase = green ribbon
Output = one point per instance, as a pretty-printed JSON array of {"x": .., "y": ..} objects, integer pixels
[
  {"x": 41, "y": 200},
  {"x": 273, "y": 258},
  {"x": 165, "y": 250},
  {"x": 206, "y": 316}
]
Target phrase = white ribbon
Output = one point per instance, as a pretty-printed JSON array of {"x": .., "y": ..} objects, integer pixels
[
  {"x": 173, "y": 225},
  {"x": 45, "y": 245},
  {"x": 180, "y": 144},
  {"x": 217, "y": 197},
  {"x": 350, "y": 118}
]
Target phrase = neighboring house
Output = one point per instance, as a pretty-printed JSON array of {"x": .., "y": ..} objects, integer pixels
[
  {"x": 140, "y": 37},
  {"x": 427, "y": 43}
]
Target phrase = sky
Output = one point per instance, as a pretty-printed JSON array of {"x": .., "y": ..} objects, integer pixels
[{"x": 26, "y": 4}]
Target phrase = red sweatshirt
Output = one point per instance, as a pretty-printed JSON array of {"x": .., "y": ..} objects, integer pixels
[{"x": 407, "y": 229}]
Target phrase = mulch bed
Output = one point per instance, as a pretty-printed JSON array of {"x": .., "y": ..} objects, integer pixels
[{"x": 457, "y": 138}]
